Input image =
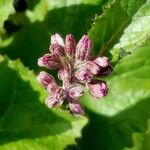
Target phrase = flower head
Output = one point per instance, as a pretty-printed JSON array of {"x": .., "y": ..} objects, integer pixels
[
  {"x": 97, "y": 89},
  {"x": 45, "y": 79},
  {"x": 102, "y": 61},
  {"x": 57, "y": 49},
  {"x": 84, "y": 48},
  {"x": 83, "y": 75},
  {"x": 57, "y": 39},
  {"x": 76, "y": 108},
  {"x": 70, "y": 45},
  {"x": 76, "y": 69},
  {"x": 51, "y": 101},
  {"x": 50, "y": 61},
  {"x": 75, "y": 91},
  {"x": 92, "y": 67}
]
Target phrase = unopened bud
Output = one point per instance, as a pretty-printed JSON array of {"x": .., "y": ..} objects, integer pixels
[
  {"x": 83, "y": 75},
  {"x": 84, "y": 48},
  {"x": 50, "y": 61},
  {"x": 57, "y": 92},
  {"x": 102, "y": 61},
  {"x": 51, "y": 101},
  {"x": 97, "y": 89},
  {"x": 57, "y": 49},
  {"x": 75, "y": 91},
  {"x": 70, "y": 45},
  {"x": 92, "y": 67},
  {"x": 56, "y": 38},
  {"x": 76, "y": 108},
  {"x": 65, "y": 74},
  {"x": 45, "y": 79}
]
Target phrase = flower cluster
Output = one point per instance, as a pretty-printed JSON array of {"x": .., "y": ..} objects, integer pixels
[{"x": 76, "y": 68}]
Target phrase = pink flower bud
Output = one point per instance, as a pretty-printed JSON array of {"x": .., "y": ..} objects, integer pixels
[
  {"x": 57, "y": 39},
  {"x": 97, "y": 89},
  {"x": 52, "y": 88},
  {"x": 50, "y": 61},
  {"x": 65, "y": 74},
  {"x": 51, "y": 101},
  {"x": 84, "y": 48},
  {"x": 45, "y": 79},
  {"x": 92, "y": 67},
  {"x": 76, "y": 108},
  {"x": 60, "y": 94},
  {"x": 102, "y": 61},
  {"x": 57, "y": 92},
  {"x": 57, "y": 49},
  {"x": 75, "y": 91},
  {"x": 83, "y": 75},
  {"x": 70, "y": 45}
]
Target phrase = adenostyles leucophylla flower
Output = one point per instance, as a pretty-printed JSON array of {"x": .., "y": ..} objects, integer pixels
[{"x": 77, "y": 70}]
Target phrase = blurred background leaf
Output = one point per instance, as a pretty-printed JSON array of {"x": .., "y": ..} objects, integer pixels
[
  {"x": 6, "y": 8},
  {"x": 141, "y": 140}
]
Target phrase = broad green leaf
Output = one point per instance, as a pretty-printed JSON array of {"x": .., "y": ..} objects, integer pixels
[
  {"x": 108, "y": 27},
  {"x": 44, "y": 19},
  {"x": 136, "y": 33},
  {"x": 125, "y": 110},
  {"x": 141, "y": 140},
  {"x": 25, "y": 121}
]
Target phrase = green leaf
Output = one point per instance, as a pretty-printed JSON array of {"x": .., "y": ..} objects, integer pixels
[
  {"x": 141, "y": 140},
  {"x": 25, "y": 122},
  {"x": 135, "y": 34},
  {"x": 108, "y": 27},
  {"x": 46, "y": 18},
  {"x": 124, "y": 111},
  {"x": 6, "y": 8}
]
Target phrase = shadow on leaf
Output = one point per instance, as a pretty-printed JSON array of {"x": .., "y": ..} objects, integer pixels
[
  {"x": 115, "y": 133},
  {"x": 22, "y": 115}
]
